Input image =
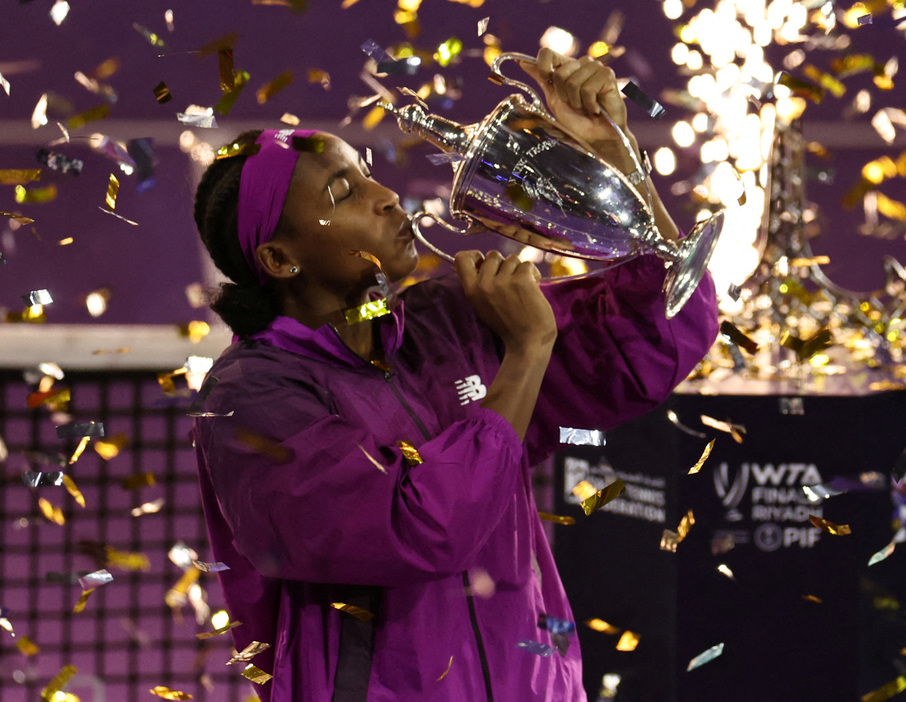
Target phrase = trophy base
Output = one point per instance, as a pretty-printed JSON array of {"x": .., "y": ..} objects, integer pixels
[{"x": 691, "y": 262}]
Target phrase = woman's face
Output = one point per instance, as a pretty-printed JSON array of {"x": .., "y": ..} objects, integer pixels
[{"x": 334, "y": 207}]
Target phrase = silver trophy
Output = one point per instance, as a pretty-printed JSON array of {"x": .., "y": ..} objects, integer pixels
[{"x": 520, "y": 174}]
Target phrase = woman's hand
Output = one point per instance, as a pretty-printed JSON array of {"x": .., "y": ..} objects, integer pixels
[
  {"x": 506, "y": 295},
  {"x": 576, "y": 90}
]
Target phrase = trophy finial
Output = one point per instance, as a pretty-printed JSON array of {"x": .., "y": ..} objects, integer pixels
[{"x": 443, "y": 133}]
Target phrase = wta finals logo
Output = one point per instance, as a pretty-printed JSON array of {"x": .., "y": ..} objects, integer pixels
[{"x": 731, "y": 492}]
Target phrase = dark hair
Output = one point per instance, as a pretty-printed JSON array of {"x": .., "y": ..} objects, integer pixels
[{"x": 245, "y": 305}]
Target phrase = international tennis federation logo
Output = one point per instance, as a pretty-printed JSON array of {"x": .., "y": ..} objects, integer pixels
[{"x": 730, "y": 491}]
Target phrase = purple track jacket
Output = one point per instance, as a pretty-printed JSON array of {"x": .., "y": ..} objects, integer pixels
[{"x": 311, "y": 503}]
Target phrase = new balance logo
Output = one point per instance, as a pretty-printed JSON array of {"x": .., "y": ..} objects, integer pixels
[{"x": 470, "y": 389}]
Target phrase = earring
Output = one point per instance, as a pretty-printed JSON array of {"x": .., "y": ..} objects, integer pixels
[{"x": 294, "y": 269}]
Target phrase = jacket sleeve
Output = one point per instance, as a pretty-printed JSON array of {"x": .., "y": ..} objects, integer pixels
[
  {"x": 327, "y": 503},
  {"x": 617, "y": 356}
]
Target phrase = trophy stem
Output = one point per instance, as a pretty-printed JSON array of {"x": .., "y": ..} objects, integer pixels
[{"x": 691, "y": 262}]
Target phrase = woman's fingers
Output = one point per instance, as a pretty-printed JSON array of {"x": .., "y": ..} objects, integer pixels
[{"x": 466, "y": 264}]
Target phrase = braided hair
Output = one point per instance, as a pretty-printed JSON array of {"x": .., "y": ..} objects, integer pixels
[{"x": 245, "y": 305}]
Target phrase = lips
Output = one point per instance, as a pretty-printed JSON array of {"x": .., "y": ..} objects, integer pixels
[{"x": 405, "y": 231}]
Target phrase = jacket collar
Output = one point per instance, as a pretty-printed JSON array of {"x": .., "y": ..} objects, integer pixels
[{"x": 324, "y": 343}]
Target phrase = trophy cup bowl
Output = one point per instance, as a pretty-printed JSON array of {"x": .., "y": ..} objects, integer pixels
[{"x": 520, "y": 174}]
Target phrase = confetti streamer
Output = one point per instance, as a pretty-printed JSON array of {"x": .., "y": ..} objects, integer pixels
[
  {"x": 447, "y": 671},
  {"x": 483, "y": 25},
  {"x": 737, "y": 431},
  {"x": 651, "y": 106},
  {"x": 290, "y": 119},
  {"x": 266, "y": 447},
  {"x": 112, "y": 189},
  {"x": 83, "y": 600},
  {"x": 59, "y": 162},
  {"x": 883, "y": 554},
  {"x": 124, "y": 560},
  {"x": 704, "y": 457},
  {"x": 139, "y": 480},
  {"x": 92, "y": 115},
  {"x": 602, "y": 626},
  {"x": 95, "y": 579},
  {"x": 447, "y": 157},
  {"x": 272, "y": 87},
  {"x": 49, "y": 397},
  {"x": 885, "y": 692},
  {"x": 629, "y": 641},
  {"x": 4, "y": 84},
  {"x": 669, "y": 541},
  {"x": 602, "y": 497},
  {"x": 218, "y": 632},
  {"x": 148, "y": 507},
  {"x": 801, "y": 88},
  {"x": 27, "y": 647},
  {"x": 205, "y": 120},
  {"x": 582, "y": 437},
  {"x": 830, "y": 527},
  {"x": 21, "y": 219},
  {"x": 256, "y": 675},
  {"x": 50, "y": 478},
  {"x": 357, "y": 612},
  {"x": 37, "y": 297},
  {"x": 705, "y": 657},
  {"x": 150, "y": 36},
  {"x": 556, "y": 518},
  {"x": 804, "y": 349},
  {"x": 232, "y": 150},
  {"x": 168, "y": 694},
  {"x": 249, "y": 652},
  {"x": 110, "y": 447},
  {"x": 79, "y": 429},
  {"x": 37, "y": 196},
  {"x": 162, "y": 93},
  {"x": 226, "y": 101},
  {"x": 410, "y": 453},
  {"x": 50, "y": 512},
  {"x": 19, "y": 176},
  {"x": 49, "y": 693},
  {"x": 368, "y": 310},
  {"x": 724, "y": 569},
  {"x": 226, "y": 69},
  {"x": 210, "y": 567},
  {"x": 685, "y": 525},
  {"x": 555, "y": 625},
  {"x": 539, "y": 649},
  {"x": 73, "y": 490},
  {"x": 732, "y": 332}
]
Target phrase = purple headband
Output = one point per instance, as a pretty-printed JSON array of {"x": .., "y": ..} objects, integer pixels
[{"x": 263, "y": 186}]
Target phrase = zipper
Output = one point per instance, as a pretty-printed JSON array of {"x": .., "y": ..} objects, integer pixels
[
  {"x": 485, "y": 670},
  {"x": 473, "y": 616}
]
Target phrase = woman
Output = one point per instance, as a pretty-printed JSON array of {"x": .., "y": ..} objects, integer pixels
[{"x": 375, "y": 571}]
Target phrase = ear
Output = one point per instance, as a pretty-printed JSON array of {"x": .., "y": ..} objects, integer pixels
[{"x": 275, "y": 260}]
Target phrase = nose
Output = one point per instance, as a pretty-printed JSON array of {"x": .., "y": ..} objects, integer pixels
[{"x": 385, "y": 199}]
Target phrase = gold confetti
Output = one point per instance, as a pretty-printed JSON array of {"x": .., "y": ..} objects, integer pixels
[
  {"x": 278, "y": 453},
  {"x": 628, "y": 641},
  {"x": 49, "y": 693},
  {"x": 225, "y": 103},
  {"x": 80, "y": 449},
  {"x": 27, "y": 647},
  {"x": 168, "y": 694},
  {"x": 813, "y": 261},
  {"x": 113, "y": 187},
  {"x": 357, "y": 612},
  {"x": 368, "y": 257},
  {"x": 602, "y": 497},
  {"x": 583, "y": 490},
  {"x": 556, "y": 518},
  {"x": 148, "y": 507},
  {"x": 114, "y": 214},
  {"x": 218, "y": 632},
  {"x": 37, "y": 196},
  {"x": 820, "y": 341},
  {"x": 812, "y": 598},
  {"x": 162, "y": 93},
  {"x": 124, "y": 560},
  {"x": 255, "y": 674},
  {"x": 732, "y": 332},
  {"x": 92, "y": 115},
  {"x": 885, "y": 692},
  {"x": 109, "y": 447},
  {"x": 602, "y": 626},
  {"x": 682, "y": 531},
  {"x": 50, "y": 512},
  {"x": 175, "y": 597},
  {"x": 825, "y": 80},
  {"x": 19, "y": 177},
  {"x": 410, "y": 453},
  {"x": 669, "y": 541},
  {"x": 290, "y": 119},
  {"x": 21, "y": 219},
  {"x": 232, "y": 150},
  {"x": 83, "y": 600},
  {"x": 225, "y": 68},
  {"x": 139, "y": 480},
  {"x": 195, "y": 330},
  {"x": 447, "y": 671},
  {"x": 830, "y": 527},
  {"x": 376, "y": 463},
  {"x": 737, "y": 431},
  {"x": 294, "y": 5},
  {"x": 49, "y": 397},
  {"x": 249, "y": 652},
  {"x": 271, "y": 88},
  {"x": 71, "y": 488},
  {"x": 704, "y": 457},
  {"x": 373, "y": 118},
  {"x": 369, "y": 310},
  {"x": 316, "y": 75},
  {"x": 802, "y": 88}
]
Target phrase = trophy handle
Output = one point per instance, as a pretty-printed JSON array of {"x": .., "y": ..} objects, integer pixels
[
  {"x": 416, "y": 229},
  {"x": 500, "y": 79}
]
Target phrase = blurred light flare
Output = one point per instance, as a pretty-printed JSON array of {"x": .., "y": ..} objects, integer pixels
[{"x": 559, "y": 40}]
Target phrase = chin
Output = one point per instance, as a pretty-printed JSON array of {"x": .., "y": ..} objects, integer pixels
[{"x": 402, "y": 268}]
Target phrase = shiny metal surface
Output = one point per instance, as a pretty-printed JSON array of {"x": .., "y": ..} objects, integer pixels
[{"x": 523, "y": 176}]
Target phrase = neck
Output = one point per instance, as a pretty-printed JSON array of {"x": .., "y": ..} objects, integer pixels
[{"x": 328, "y": 309}]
